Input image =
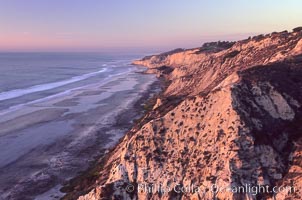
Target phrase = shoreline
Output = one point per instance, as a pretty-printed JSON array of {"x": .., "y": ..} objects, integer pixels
[
  {"x": 84, "y": 182},
  {"x": 67, "y": 156}
]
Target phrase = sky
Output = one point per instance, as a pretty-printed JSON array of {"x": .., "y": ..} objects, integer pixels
[{"x": 97, "y": 25}]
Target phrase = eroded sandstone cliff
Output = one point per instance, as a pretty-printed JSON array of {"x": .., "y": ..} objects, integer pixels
[{"x": 230, "y": 117}]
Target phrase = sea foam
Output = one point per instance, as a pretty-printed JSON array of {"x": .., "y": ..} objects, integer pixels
[{"x": 38, "y": 88}]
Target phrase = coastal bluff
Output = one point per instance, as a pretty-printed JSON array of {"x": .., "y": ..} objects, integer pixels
[{"x": 230, "y": 116}]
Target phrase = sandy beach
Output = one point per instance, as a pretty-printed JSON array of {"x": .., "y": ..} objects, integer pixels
[{"x": 44, "y": 144}]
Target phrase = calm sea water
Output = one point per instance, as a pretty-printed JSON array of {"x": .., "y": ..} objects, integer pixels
[{"x": 29, "y": 77}]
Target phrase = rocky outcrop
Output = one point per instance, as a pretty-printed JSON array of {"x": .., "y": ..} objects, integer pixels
[{"x": 236, "y": 123}]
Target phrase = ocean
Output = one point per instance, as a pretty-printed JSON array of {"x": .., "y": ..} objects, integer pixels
[
  {"x": 58, "y": 111},
  {"x": 29, "y": 77}
]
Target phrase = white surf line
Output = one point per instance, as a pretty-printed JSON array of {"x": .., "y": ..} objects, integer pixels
[
  {"x": 43, "y": 87},
  {"x": 64, "y": 93}
]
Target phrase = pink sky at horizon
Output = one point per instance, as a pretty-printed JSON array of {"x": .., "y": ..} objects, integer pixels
[
  {"x": 66, "y": 25},
  {"x": 60, "y": 42}
]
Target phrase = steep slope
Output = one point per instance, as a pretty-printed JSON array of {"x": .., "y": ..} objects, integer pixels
[
  {"x": 201, "y": 69},
  {"x": 236, "y": 122}
]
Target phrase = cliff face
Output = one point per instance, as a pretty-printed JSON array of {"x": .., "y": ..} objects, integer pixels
[
  {"x": 237, "y": 121},
  {"x": 201, "y": 69}
]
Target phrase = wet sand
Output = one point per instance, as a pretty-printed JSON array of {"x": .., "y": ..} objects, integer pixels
[{"x": 45, "y": 144}]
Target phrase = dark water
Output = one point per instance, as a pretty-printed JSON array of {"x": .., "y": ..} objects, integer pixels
[
  {"x": 58, "y": 111},
  {"x": 27, "y": 77}
]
